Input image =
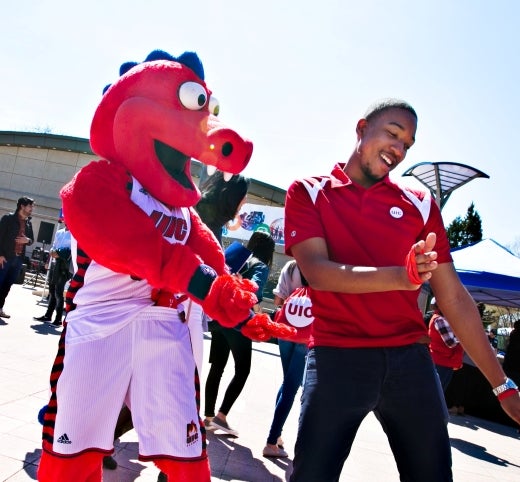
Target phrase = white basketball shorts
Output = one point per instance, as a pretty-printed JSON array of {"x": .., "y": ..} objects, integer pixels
[{"x": 149, "y": 366}]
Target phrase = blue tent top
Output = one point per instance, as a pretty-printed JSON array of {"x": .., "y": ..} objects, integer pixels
[{"x": 490, "y": 272}]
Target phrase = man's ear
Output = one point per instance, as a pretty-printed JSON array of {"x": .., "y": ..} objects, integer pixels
[{"x": 360, "y": 127}]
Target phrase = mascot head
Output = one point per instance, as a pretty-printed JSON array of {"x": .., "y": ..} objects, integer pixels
[{"x": 158, "y": 116}]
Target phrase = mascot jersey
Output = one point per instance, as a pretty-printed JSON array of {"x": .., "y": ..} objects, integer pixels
[{"x": 112, "y": 299}]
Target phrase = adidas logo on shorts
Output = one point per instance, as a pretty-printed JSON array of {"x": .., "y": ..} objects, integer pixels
[{"x": 64, "y": 439}]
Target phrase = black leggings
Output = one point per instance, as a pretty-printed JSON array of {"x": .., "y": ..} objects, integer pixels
[
  {"x": 224, "y": 340},
  {"x": 56, "y": 299}
]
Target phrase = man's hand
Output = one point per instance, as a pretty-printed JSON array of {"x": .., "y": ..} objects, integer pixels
[
  {"x": 420, "y": 261},
  {"x": 511, "y": 406},
  {"x": 22, "y": 240},
  {"x": 2, "y": 261}
]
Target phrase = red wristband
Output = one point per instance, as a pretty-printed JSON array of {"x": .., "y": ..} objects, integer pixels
[
  {"x": 411, "y": 268},
  {"x": 508, "y": 393}
]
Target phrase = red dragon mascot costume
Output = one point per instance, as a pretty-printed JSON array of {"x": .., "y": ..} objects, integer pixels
[{"x": 141, "y": 248}]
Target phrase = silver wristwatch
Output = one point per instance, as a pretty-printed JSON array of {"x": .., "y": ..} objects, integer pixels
[{"x": 507, "y": 385}]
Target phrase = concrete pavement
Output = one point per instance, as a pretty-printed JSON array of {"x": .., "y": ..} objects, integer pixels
[{"x": 482, "y": 451}]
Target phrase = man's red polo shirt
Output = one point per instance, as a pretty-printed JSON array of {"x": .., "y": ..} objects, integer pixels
[{"x": 363, "y": 227}]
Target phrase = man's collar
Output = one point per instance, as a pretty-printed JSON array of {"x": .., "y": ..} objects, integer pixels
[{"x": 340, "y": 178}]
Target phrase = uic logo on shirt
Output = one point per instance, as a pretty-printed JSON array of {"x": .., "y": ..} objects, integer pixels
[
  {"x": 170, "y": 226},
  {"x": 396, "y": 212}
]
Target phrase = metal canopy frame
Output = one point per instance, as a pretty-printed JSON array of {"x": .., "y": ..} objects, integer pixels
[{"x": 442, "y": 178}]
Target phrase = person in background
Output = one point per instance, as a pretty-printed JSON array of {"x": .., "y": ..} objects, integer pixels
[
  {"x": 445, "y": 348},
  {"x": 16, "y": 233},
  {"x": 219, "y": 204},
  {"x": 221, "y": 200},
  {"x": 226, "y": 340},
  {"x": 292, "y": 356},
  {"x": 463, "y": 385},
  {"x": 366, "y": 245},
  {"x": 492, "y": 337},
  {"x": 464, "y": 380},
  {"x": 60, "y": 254},
  {"x": 511, "y": 363}
]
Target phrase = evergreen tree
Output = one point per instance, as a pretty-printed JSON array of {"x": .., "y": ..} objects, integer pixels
[
  {"x": 462, "y": 232},
  {"x": 454, "y": 232}
]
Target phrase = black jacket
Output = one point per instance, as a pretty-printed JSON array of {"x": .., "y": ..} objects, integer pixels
[{"x": 9, "y": 227}]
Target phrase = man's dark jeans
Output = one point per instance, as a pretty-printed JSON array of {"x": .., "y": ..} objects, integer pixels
[
  {"x": 401, "y": 387},
  {"x": 8, "y": 275}
]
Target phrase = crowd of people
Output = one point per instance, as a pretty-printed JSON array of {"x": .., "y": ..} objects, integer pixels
[{"x": 364, "y": 245}]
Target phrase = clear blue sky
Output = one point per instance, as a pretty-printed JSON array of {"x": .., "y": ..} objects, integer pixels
[{"x": 294, "y": 76}]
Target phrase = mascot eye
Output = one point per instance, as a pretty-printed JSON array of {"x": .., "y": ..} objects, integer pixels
[
  {"x": 193, "y": 96},
  {"x": 214, "y": 106}
]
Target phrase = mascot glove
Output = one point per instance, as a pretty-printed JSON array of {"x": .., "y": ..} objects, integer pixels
[
  {"x": 229, "y": 300},
  {"x": 262, "y": 328}
]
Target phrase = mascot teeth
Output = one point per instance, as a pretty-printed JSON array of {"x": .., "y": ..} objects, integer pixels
[
  {"x": 211, "y": 170},
  {"x": 227, "y": 176}
]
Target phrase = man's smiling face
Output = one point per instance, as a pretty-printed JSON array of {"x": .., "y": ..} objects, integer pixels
[{"x": 383, "y": 142}]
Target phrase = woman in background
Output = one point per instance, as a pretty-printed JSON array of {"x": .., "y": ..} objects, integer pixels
[
  {"x": 221, "y": 200},
  {"x": 226, "y": 340},
  {"x": 219, "y": 204},
  {"x": 292, "y": 356}
]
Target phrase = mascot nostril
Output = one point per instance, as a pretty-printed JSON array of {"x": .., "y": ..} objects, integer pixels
[
  {"x": 145, "y": 261},
  {"x": 227, "y": 149}
]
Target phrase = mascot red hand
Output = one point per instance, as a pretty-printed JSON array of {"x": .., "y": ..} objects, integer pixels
[
  {"x": 262, "y": 328},
  {"x": 240, "y": 294}
]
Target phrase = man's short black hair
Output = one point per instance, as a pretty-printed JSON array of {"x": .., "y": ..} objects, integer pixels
[
  {"x": 24, "y": 201},
  {"x": 383, "y": 105}
]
